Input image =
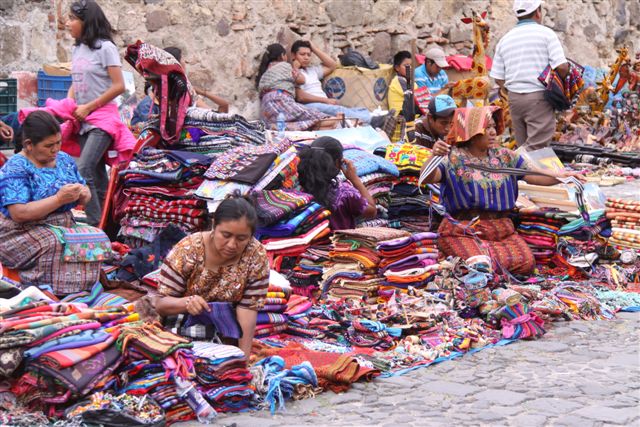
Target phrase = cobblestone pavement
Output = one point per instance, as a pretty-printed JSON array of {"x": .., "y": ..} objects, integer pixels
[{"x": 579, "y": 374}]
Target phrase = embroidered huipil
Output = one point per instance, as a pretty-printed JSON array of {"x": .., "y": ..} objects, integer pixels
[
  {"x": 22, "y": 182},
  {"x": 464, "y": 188}
]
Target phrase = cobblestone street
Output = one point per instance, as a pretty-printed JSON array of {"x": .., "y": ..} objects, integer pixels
[{"x": 579, "y": 374}]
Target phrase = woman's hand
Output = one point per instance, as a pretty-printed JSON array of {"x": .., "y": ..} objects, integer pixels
[
  {"x": 195, "y": 305},
  {"x": 82, "y": 111},
  {"x": 331, "y": 101},
  {"x": 441, "y": 148},
  {"x": 349, "y": 170},
  {"x": 6, "y": 132},
  {"x": 566, "y": 174},
  {"x": 69, "y": 193}
]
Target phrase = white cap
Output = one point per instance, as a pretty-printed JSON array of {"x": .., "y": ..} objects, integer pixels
[
  {"x": 525, "y": 7},
  {"x": 437, "y": 55}
]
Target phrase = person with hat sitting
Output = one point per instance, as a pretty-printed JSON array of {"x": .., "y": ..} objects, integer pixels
[
  {"x": 431, "y": 74},
  {"x": 436, "y": 123}
]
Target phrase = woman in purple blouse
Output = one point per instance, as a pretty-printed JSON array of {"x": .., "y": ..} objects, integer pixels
[{"x": 319, "y": 168}]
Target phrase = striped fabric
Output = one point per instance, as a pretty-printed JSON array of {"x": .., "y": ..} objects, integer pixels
[{"x": 523, "y": 53}]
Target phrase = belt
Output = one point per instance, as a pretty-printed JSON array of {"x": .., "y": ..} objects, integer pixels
[{"x": 473, "y": 213}]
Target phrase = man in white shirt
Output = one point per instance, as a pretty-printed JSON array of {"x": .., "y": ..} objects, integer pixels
[
  {"x": 311, "y": 93},
  {"x": 521, "y": 55}
]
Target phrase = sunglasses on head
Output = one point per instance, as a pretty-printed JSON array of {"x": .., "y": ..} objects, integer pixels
[{"x": 79, "y": 7}]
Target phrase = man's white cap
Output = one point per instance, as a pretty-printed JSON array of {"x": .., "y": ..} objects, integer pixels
[
  {"x": 437, "y": 55},
  {"x": 525, "y": 7}
]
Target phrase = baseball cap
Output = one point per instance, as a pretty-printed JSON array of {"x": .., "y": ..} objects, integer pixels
[
  {"x": 437, "y": 55},
  {"x": 442, "y": 106},
  {"x": 525, "y": 7}
]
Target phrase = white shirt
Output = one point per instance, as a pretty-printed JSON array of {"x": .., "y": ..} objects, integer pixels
[
  {"x": 523, "y": 53},
  {"x": 312, "y": 84}
]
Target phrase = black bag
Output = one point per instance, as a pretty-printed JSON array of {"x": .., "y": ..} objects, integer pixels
[{"x": 355, "y": 58}]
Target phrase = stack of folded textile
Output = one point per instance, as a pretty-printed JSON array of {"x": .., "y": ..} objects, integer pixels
[
  {"x": 353, "y": 268},
  {"x": 66, "y": 347},
  {"x": 625, "y": 222},
  {"x": 306, "y": 276},
  {"x": 376, "y": 173},
  {"x": 207, "y": 132},
  {"x": 159, "y": 190},
  {"x": 409, "y": 208},
  {"x": 581, "y": 230},
  {"x": 409, "y": 261},
  {"x": 289, "y": 222},
  {"x": 272, "y": 318},
  {"x": 540, "y": 230},
  {"x": 243, "y": 168},
  {"x": 222, "y": 376}
]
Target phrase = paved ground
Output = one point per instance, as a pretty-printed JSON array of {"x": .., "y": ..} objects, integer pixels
[{"x": 579, "y": 374}]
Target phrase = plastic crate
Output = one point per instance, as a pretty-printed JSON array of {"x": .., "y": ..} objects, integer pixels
[
  {"x": 55, "y": 87},
  {"x": 8, "y": 96}
]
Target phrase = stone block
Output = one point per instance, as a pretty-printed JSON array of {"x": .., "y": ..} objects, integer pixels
[
  {"x": 223, "y": 27},
  {"x": 381, "y": 47},
  {"x": 347, "y": 14},
  {"x": 401, "y": 42},
  {"x": 11, "y": 42},
  {"x": 609, "y": 415},
  {"x": 157, "y": 19},
  {"x": 590, "y": 31},
  {"x": 455, "y": 389}
]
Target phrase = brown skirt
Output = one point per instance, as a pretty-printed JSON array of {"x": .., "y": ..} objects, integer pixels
[
  {"x": 36, "y": 253},
  {"x": 498, "y": 239}
]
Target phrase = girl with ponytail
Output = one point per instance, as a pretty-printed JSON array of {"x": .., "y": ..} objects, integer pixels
[
  {"x": 320, "y": 165},
  {"x": 276, "y": 82}
]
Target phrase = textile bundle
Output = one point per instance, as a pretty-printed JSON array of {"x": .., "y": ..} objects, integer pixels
[
  {"x": 290, "y": 222},
  {"x": 625, "y": 222},
  {"x": 353, "y": 267},
  {"x": 409, "y": 261},
  {"x": 159, "y": 190},
  {"x": 377, "y": 174},
  {"x": 272, "y": 318},
  {"x": 409, "y": 209}
]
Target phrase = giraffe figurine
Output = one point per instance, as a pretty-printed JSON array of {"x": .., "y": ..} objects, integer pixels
[{"x": 476, "y": 87}]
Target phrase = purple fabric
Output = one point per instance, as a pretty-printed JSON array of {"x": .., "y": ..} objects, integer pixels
[
  {"x": 406, "y": 241},
  {"x": 222, "y": 316},
  {"x": 347, "y": 204},
  {"x": 274, "y": 308},
  {"x": 414, "y": 261}
]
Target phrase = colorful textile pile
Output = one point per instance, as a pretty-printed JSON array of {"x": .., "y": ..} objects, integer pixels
[
  {"x": 352, "y": 271},
  {"x": 272, "y": 318},
  {"x": 409, "y": 261},
  {"x": 306, "y": 275},
  {"x": 66, "y": 350},
  {"x": 409, "y": 209},
  {"x": 377, "y": 174},
  {"x": 211, "y": 133},
  {"x": 159, "y": 190},
  {"x": 248, "y": 168},
  {"x": 289, "y": 223},
  {"x": 625, "y": 223},
  {"x": 540, "y": 230},
  {"x": 222, "y": 376}
]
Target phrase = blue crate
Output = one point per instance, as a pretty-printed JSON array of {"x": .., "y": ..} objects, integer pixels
[
  {"x": 55, "y": 87},
  {"x": 8, "y": 96}
]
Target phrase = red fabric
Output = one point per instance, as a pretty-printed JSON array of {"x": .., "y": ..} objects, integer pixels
[
  {"x": 459, "y": 62},
  {"x": 106, "y": 118}
]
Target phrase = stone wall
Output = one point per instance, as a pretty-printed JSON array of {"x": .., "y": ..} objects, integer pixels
[{"x": 224, "y": 39}]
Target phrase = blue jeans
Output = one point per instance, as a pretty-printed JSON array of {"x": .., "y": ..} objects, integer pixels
[
  {"x": 91, "y": 166},
  {"x": 350, "y": 113}
]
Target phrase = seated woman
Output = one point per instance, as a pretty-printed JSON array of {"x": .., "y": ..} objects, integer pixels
[
  {"x": 148, "y": 107},
  {"x": 276, "y": 82},
  {"x": 38, "y": 188},
  {"x": 467, "y": 193},
  {"x": 320, "y": 165},
  {"x": 226, "y": 264}
]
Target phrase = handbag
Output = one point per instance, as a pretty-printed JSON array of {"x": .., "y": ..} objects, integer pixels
[
  {"x": 82, "y": 243},
  {"x": 561, "y": 93}
]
